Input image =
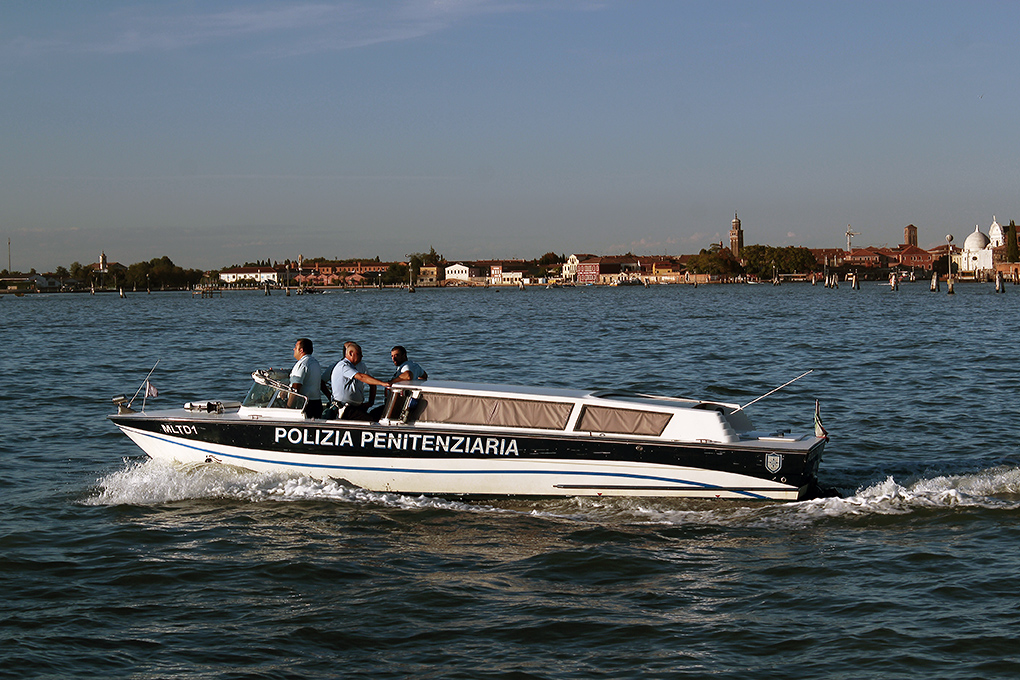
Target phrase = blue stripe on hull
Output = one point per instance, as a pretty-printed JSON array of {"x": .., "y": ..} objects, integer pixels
[{"x": 556, "y": 473}]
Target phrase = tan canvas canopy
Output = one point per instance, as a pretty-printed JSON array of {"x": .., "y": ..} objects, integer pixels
[
  {"x": 622, "y": 421},
  {"x": 495, "y": 411}
]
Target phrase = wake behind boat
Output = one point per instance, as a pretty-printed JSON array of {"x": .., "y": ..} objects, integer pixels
[{"x": 468, "y": 439}]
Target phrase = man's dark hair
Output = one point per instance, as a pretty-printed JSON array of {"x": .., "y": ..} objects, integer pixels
[{"x": 305, "y": 344}]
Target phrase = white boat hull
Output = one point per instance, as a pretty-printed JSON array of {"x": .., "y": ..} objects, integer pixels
[{"x": 473, "y": 476}]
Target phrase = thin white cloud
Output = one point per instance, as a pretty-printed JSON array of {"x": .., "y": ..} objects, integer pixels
[
  {"x": 702, "y": 237},
  {"x": 274, "y": 27},
  {"x": 154, "y": 32},
  {"x": 646, "y": 245}
]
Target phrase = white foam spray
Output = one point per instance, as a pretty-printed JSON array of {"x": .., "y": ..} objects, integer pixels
[{"x": 151, "y": 482}]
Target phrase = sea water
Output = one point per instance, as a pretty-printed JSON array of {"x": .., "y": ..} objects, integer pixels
[{"x": 116, "y": 566}]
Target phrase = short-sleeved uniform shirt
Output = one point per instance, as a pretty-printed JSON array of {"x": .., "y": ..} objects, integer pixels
[
  {"x": 308, "y": 374},
  {"x": 416, "y": 371},
  {"x": 346, "y": 388}
]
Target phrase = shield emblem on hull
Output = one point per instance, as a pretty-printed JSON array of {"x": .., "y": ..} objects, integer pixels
[{"x": 773, "y": 461}]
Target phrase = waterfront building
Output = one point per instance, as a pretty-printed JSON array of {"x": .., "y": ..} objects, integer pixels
[
  {"x": 503, "y": 272},
  {"x": 939, "y": 252},
  {"x": 829, "y": 257},
  {"x": 104, "y": 266},
  {"x": 569, "y": 271},
  {"x": 17, "y": 284},
  {"x": 665, "y": 270},
  {"x": 983, "y": 254},
  {"x": 500, "y": 275},
  {"x": 912, "y": 256},
  {"x": 867, "y": 258},
  {"x": 462, "y": 272},
  {"x": 366, "y": 269},
  {"x": 249, "y": 275},
  {"x": 908, "y": 254},
  {"x": 660, "y": 269},
  {"x": 343, "y": 272},
  {"x": 45, "y": 282},
  {"x": 430, "y": 274},
  {"x": 604, "y": 270},
  {"x": 33, "y": 283},
  {"x": 976, "y": 257},
  {"x": 594, "y": 269},
  {"x": 996, "y": 235}
]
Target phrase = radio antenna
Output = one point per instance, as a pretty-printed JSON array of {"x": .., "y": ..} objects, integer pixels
[{"x": 741, "y": 408}]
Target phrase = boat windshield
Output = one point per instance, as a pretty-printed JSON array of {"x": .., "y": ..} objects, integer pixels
[{"x": 266, "y": 394}]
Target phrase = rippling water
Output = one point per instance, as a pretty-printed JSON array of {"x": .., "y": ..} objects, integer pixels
[{"x": 116, "y": 566}]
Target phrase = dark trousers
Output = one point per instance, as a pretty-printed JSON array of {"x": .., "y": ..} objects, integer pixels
[
  {"x": 313, "y": 409},
  {"x": 356, "y": 412}
]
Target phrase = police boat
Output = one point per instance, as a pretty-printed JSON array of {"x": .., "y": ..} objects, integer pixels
[{"x": 482, "y": 440}]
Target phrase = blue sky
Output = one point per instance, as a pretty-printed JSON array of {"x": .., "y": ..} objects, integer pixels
[{"x": 220, "y": 132}]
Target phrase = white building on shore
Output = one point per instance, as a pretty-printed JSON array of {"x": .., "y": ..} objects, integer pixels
[
  {"x": 569, "y": 272},
  {"x": 462, "y": 272},
  {"x": 977, "y": 256},
  {"x": 249, "y": 275}
]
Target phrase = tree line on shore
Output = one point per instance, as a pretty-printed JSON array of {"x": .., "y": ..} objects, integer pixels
[
  {"x": 758, "y": 261},
  {"x": 159, "y": 272}
]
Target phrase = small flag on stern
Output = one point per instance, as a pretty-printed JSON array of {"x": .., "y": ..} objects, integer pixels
[
  {"x": 151, "y": 391},
  {"x": 819, "y": 428}
]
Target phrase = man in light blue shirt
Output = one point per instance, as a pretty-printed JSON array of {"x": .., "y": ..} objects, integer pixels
[
  {"x": 305, "y": 378},
  {"x": 348, "y": 383},
  {"x": 406, "y": 369}
]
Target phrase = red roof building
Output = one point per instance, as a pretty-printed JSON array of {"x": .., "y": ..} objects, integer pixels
[
  {"x": 912, "y": 256},
  {"x": 829, "y": 257},
  {"x": 867, "y": 257},
  {"x": 606, "y": 269}
]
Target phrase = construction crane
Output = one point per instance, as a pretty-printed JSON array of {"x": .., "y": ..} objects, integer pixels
[{"x": 850, "y": 233}]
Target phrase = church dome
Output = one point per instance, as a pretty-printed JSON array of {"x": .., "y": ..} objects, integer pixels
[
  {"x": 976, "y": 241},
  {"x": 995, "y": 233}
]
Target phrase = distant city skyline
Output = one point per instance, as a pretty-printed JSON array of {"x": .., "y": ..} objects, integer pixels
[
  {"x": 911, "y": 239},
  {"x": 958, "y": 240},
  {"x": 234, "y": 132}
]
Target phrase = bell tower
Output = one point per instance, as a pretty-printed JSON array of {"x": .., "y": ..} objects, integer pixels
[
  {"x": 736, "y": 237},
  {"x": 910, "y": 235}
]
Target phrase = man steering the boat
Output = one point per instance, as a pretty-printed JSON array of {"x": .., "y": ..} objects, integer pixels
[
  {"x": 304, "y": 379},
  {"x": 348, "y": 382}
]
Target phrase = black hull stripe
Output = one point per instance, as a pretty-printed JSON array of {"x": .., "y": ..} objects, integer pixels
[
  {"x": 689, "y": 484},
  {"x": 627, "y": 487}
]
